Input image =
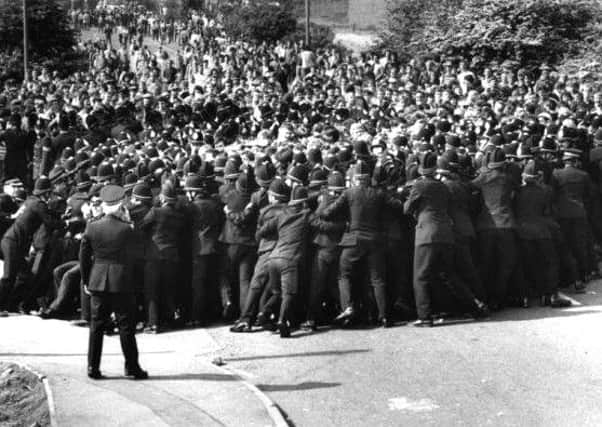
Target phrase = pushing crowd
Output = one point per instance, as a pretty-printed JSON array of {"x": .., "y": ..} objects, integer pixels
[{"x": 274, "y": 186}]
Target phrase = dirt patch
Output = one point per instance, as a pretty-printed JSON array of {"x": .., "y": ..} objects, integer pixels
[{"x": 22, "y": 398}]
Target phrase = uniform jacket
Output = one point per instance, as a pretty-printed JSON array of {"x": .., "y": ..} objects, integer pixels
[
  {"x": 364, "y": 206},
  {"x": 19, "y": 150},
  {"x": 292, "y": 228},
  {"x": 238, "y": 230},
  {"x": 326, "y": 233},
  {"x": 267, "y": 242},
  {"x": 35, "y": 213},
  {"x": 206, "y": 219},
  {"x": 531, "y": 205},
  {"x": 461, "y": 208},
  {"x": 141, "y": 239},
  {"x": 573, "y": 192},
  {"x": 104, "y": 255},
  {"x": 496, "y": 189},
  {"x": 166, "y": 225},
  {"x": 429, "y": 202}
]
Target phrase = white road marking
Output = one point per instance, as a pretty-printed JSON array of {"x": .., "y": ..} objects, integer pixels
[{"x": 405, "y": 404}]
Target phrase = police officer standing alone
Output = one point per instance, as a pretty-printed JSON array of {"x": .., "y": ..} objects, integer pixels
[{"x": 106, "y": 272}]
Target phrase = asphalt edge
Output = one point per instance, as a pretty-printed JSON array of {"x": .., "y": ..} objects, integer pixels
[
  {"x": 47, "y": 390},
  {"x": 270, "y": 406}
]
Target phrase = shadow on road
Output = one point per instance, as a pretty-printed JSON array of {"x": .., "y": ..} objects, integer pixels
[
  {"x": 307, "y": 354},
  {"x": 74, "y": 354},
  {"x": 296, "y": 387}
]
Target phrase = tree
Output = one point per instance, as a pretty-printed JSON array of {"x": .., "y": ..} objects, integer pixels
[
  {"x": 50, "y": 33},
  {"x": 258, "y": 21},
  {"x": 526, "y": 31}
]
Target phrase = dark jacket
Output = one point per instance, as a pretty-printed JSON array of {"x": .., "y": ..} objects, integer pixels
[
  {"x": 292, "y": 228},
  {"x": 429, "y": 202},
  {"x": 166, "y": 225},
  {"x": 531, "y": 205},
  {"x": 35, "y": 213},
  {"x": 206, "y": 218},
  {"x": 573, "y": 192},
  {"x": 364, "y": 207},
  {"x": 141, "y": 239},
  {"x": 267, "y": 242},
  {"x": 326, "y": 233},
  {"x": 238, "y": 230},
  {"x": 104, "y": 255},
  {"x": 461, "y": 208},
  {"x": 19, "y": 151},
  {"x": 497, "y": 189}
]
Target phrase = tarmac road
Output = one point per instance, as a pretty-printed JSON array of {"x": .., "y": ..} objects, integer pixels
[{"x": 523, "y": 367}]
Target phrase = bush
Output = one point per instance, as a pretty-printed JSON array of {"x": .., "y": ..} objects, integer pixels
[
  {"x": 525, "y": 31},
  {"x": 263, "y": 21},
  {"x": 49, "y": 27}
]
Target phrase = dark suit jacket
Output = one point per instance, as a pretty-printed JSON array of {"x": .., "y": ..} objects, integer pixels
[
  {"x": 292, "y": 228},
  {"x": 35, "y": 213},
  {"x": 267, "y": 242},
  {"x": 497, "y": 188},
  {"x": 141, "y": 239},
  {"x": 429, "y": 202},
  {"x": 461, "y": 208},
  {"x": 364, "y": 207},
  {"x": 531, "y": 205},
  {"x": 238, "y": 230},
  {"x": 207, "y": 219},
  {"x": 166, "y": 225},
  {"x": 326, "y": 233},
  {"x": 573, "y": 192},
  {"x": 104, "y": 255}
]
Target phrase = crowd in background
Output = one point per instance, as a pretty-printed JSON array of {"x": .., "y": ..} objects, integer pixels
[{"x": 279, "y": 186}]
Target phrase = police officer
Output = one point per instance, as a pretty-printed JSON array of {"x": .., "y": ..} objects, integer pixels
[
  {"x": 18, "y": 238},
  {"x": 573, "y": 194},
  {"x": 106, "y": 273},
  {"x": 361, "y": 244}
]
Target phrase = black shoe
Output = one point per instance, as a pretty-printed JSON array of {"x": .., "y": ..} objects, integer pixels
[
  {"x": 385, "y": 323},
  {"x": 309, "y": 325},
  {"x": 3, "y": 313},
  {"x": 284, "y": 329},
  {"x": 556, "y": 301},
  {"x": 423, "y": 323},
  {"x": 152, "y": 329},
  {"x": 81, "y": 323},
  {"x": 94, "y": 374},
  {"x": 482, "y": 311},
  {"x": 241, "y": 327},
  {"x": 345, "y": 317},
  {"x": 48, "y": 314},
  {"x": 137, "y": 374},
  {"x": 265, "y": 323}
]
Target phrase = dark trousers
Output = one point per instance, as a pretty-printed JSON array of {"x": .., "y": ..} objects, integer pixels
[
  {"x": 324, "y": 270},
  {"x": 67, "y": 278},
  {"x": 285, "y": 274},
  {"x": 257, "y": 289},
  {"x": 201, "y": 269},
  {"x": 537, "y": 265},
  {"x": 15, "y": 274},
  {"x": 160, "y": 281},
  {"x": 85, "y": 304},
  {"x": 124, "y": 307},
  {"x": 498, "y": 251},
  {"x": 575, "y": 232},
  {"x": 398, "y": 276},
  {"x": 434, "y": 267},
  {"x": 354, "y": 258},
  {"x": 239, "y": 261},
  {"x": 465, "y": 267}
]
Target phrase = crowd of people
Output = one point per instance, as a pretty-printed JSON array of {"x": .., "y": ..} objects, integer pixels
[{"x": 275, "y": 186}]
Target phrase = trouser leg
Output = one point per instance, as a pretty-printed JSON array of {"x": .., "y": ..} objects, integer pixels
[
  {"x": 426, "y": 273},
  {"x": 125, "y": 311},
  {"x": 349, "y": 257},
  {"x": 68, "y": 285},
  {"x": 100, "y": 312},
  {"x": 376, "y": 265},
  {"x": 257, "y": 289}
]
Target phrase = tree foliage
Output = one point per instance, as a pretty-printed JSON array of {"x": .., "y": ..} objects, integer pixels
[
  {"x": 258, "y": 21},
  {"x": 526, "y": 31},
  {"x": 49, "y": 30}
]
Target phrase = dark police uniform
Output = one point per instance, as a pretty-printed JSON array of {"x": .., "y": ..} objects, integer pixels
[{"x": 105, "y": 258}]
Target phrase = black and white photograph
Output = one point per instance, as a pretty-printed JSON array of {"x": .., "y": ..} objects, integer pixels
[{"x": 300, "y": 213}]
